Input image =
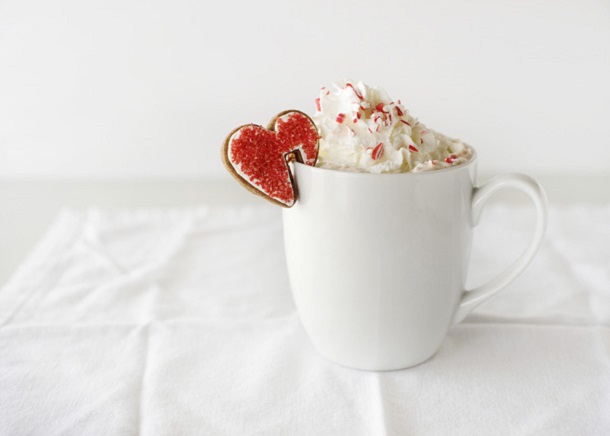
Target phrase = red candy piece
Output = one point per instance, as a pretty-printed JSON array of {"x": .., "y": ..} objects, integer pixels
[
  {"x": 349, "y": 85},
  {"x": 258, "y": 157},
  {"x": 449, "y": 159},
  {"x": 377, "y": 151}
]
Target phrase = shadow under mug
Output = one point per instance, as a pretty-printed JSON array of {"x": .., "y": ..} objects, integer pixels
[{"x": 378, "y": 262}]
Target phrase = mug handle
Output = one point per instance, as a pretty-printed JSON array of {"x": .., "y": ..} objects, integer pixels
[{"x": 472, "y": 298}]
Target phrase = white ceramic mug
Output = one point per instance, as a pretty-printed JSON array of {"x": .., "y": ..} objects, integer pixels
[{"x": 378, "y": 262}]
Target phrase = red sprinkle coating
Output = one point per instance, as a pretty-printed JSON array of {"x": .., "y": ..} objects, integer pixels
[
  {"x": 405, "y": 122},
  {"x": 318, "y": 106},
  {"x": 413, "y": 149},
  {"x": 259, "y": 155},
  {"x": 377, "y": 151},
  {"x": 349, "y": 85},
  {"x": 340, "y": 118},
  {"x": 399, "y": 112},
  {"x": 379, "y": 107}
]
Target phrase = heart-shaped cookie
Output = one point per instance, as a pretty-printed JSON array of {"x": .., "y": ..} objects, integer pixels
[{"x": 258, "y": 157}]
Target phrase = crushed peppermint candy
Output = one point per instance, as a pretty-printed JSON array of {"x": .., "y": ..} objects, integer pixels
[
  {"x": 377, "y": 151},
  {"x": 349, "y": 85},
  {"x": 362, "y": 129}
]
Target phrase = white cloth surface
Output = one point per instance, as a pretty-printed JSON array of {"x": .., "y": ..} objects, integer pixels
[{"x": 182, "y": 323}]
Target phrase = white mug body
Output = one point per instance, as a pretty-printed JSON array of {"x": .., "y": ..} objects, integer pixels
[{"x": 378, "y": 262}]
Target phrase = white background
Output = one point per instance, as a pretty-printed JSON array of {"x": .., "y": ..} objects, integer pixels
[{"x": 127, "y": 89}]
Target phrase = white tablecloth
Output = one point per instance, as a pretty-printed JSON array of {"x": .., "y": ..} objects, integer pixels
[{"x": 181, "y": 322}]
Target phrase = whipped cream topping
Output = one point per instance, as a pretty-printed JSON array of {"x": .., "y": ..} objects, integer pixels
[{"x": 362, "y": 129}]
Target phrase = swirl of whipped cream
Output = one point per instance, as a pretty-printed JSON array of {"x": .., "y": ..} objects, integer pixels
[{"x": 362, "y": 129}]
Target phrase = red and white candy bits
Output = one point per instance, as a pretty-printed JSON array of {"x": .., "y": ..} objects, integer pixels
[
  {"x": 377, "y": 151},
  {"x": 258, "y": 157},
  {"x": 363, "y": 129}
]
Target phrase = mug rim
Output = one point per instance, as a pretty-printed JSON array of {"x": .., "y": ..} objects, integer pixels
[{"x": 348, "y": 173}]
